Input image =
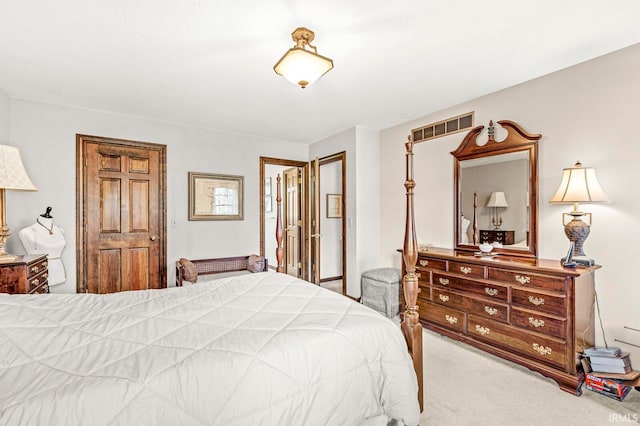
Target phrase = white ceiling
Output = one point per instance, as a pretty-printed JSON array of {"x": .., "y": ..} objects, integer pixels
[{"x": 209, "y": 63}]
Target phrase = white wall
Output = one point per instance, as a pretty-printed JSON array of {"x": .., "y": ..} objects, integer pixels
[
  {"x": 46, "y": 136},
  {"x": 587, "y": 112},
  {"x": 4, "y": 118}
]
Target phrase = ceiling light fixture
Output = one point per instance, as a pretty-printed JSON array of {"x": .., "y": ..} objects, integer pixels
[{"x": 300, "y": 65}]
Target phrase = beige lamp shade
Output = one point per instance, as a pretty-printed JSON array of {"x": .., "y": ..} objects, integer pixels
[
  {"x": 12, "y": 172},
  {"x": 300, "y": 65},
  {"x": 497, "y": 199},
  {"x": 579, "y": 185}
]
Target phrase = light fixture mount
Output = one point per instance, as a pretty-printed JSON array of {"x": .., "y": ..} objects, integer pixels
[{"x": 302, "y": 65}]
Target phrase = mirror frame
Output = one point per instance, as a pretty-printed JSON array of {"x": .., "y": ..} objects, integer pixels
[{"x": 517, "y": 140}]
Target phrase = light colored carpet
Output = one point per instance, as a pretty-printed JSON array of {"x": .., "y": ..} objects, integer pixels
[
  {"x": 465, "y": 386},
  {"x": 335, "y": 285}
]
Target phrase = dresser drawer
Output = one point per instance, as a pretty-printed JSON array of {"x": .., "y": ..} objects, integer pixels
[
  {"x": 479, "y": 306},
  {"x": 489, "y": 290},
  {"x": 431, "y": 264},
  {"x": 466, "y": 269},
  {"x": 37, "y": 268},
  {"x": 533, "y": 320},
  {"x": 539, "y": 301},
  {"x": 528, "y": 280},
  {"x": 37, "y": 280},
  {"x": 42, "y": 288},
  {"x": 443, "y": 315},
  {"x": 546, "y": 349}
]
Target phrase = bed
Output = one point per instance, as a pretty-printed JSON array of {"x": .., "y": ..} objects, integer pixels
[{"x": 260, "y": 348}]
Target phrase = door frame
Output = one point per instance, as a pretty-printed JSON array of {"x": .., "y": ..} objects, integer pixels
[
  {"x": 304, "y": 215},
  {"x": 342, "y": 157},
  {"x": 81, "y": 246}
]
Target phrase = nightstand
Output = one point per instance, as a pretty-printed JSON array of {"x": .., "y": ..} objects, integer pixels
[
  {"x": 497, "y": 235},
  {"x": 26, "y": 274}
]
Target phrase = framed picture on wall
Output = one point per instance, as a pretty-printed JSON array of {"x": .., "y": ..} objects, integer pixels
[
  {"x": 215, "y": 197},
  {"x": 334, "y": 205}
]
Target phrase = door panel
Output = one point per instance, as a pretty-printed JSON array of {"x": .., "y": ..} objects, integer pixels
[
  {"x": 122, "y": 213},
  {"x": 315, "y": 221},
  {"x": 292, "y": 222}
]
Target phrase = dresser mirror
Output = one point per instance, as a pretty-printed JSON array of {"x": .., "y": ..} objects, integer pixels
[{"x": 496, "y": 184}]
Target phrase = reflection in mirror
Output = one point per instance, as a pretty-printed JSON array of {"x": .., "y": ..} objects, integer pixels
[{"x": 501, "y": 187}]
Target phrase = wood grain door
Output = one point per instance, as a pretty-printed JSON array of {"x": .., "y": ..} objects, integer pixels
[
  {"x": 292, "y": 221},
  {"x": 122, "y": 193}
]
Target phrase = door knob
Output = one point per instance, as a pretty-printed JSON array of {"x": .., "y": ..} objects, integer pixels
[
  {"x": 153, "y": 238},
  {"x": 316, "y": 235}
]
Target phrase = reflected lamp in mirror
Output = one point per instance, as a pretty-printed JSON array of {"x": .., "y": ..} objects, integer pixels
[
  {"x": 579, "y": 185},
  {"x": 497, "y": 200},
  {"x": 12, "y": 176}
]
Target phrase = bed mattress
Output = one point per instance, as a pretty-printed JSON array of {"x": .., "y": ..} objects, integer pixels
[{"x": 255, "y": 349}]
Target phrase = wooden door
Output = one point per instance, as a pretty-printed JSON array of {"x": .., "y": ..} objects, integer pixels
[
  {"x": 122, "y": 214},
  {"x": 315, "y": 221},
  {"x": 292, "y": 221}
]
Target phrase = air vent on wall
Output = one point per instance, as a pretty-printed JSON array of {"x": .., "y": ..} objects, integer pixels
[{"x": 444, "y": 127}]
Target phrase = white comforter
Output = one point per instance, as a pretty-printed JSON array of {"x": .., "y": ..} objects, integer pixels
[{"x": 255, "y": 349}]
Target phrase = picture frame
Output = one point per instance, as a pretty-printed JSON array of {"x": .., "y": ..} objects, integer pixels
[
  {"x": 268, "y": 203},
  {"x": 334, "y": 206},
  {"x": 267, "y": 186},
  {"x": 216, "y": 196}
]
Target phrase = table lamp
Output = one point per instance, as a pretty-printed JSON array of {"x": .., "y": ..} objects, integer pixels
[
  {"x": 579, "y": 185},
  {"x": 12, "y": 176},
  {"x": 497, "y": 200}
]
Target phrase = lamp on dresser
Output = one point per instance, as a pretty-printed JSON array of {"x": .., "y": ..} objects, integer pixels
[
  {"x": 579, "y": 185},
  {"x": 12, "y": 176},
  {"x": 497, "y": 200}
]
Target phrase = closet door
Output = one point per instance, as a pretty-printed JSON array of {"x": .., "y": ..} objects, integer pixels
[{"x": 123, "y": 218}]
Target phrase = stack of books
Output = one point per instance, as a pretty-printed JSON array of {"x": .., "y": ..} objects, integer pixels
[{"x": 608, "y": 360}]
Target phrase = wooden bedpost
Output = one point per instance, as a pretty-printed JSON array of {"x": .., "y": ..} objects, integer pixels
[
  {"x": 411, "y": 327},
  {"x": 279, "y": 249},
  {"x": 475, "y": 219}
]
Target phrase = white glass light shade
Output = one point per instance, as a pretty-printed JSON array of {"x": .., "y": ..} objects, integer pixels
[
  {"x": 302, "y": 67},
  {"x": 12, "y": 172},
  {"x": 579, "y": 185},
  {"x": 497, "y": 199}
]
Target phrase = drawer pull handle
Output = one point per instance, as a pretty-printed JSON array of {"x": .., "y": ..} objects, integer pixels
[
  {"x": 35, "y": 269},
  {"x": 523, "y": 279},
  {"x": 451, "y": 319},
  {"x": 45, "y": 276},
  {"x": 35, "y": 282},
  {"x": 491, "y": 291},
  {"x": 443, "y": 297},
  {"x": 465, "y": 269},
  {"x": 418, "y": 275},
  {"x": 482, "y": 330},
  {"x": 443, "y": 281},
  {"x": 424, "y": 262},
  {"x": 45, "y": 264},
  {"x": 536, "y": 300},
  {"x": 536, "y": 322},
  {"x": 542, "y": 350},
  {"x": 45, "y": 288},
  {"x": 491, "y": 311}
]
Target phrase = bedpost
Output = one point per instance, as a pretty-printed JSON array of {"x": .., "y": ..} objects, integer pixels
[
  {"x": 279, "y": 249},
  {"x": 411, "y": 327},
  {"x": 475, "y": 219}
]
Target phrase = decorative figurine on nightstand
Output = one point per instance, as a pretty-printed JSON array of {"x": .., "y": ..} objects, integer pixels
[{"x": 43, "y": 237}]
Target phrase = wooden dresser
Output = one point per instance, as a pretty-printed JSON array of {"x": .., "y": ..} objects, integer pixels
[
  {"x": 530, "y": 311},
  {"x": 26, "y": 274}
]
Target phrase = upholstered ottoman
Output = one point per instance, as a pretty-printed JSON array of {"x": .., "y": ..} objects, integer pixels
[{"x": 381, "y": 290}]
